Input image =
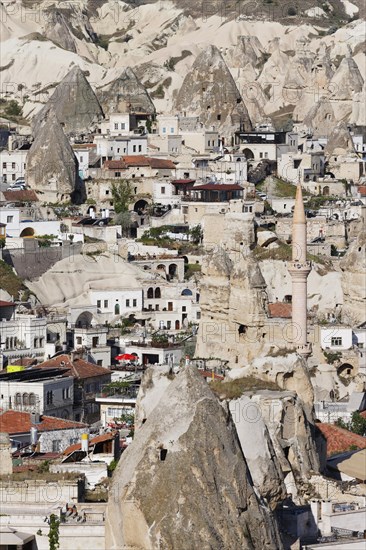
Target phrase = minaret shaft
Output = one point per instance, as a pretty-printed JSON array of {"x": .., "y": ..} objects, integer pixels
[{"x": 299, "y": 270}]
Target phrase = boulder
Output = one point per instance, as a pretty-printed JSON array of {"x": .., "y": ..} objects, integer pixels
[{"x": 183, "y": 482}]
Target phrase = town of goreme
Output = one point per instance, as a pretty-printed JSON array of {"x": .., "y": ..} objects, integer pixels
[{"x": 182, "y": 275}]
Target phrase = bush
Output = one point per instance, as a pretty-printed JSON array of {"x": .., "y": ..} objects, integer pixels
[{"x": 13, "y": 109}]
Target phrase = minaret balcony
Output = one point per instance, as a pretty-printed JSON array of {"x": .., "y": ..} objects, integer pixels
[
  {"x": 305, "y": 350},
  {"x": 300, "y": 268}
]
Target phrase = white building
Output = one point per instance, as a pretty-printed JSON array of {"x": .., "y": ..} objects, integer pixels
[
  {"x": 336, "y": 338},
  {"x": 306, "y": 166},
  {"x": 52, "y": 395},
  {"x": 23, "y": 335},
  {"x": 13, "y": 165},
  {"x": 82, "y": 155},
  {"x": 114, "y": 147},
  {"x": 123, "y": 301},
  {"x": 17, "y": 227}
]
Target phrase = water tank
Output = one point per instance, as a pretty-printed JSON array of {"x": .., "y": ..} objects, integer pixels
[
  {"x": 85, "y": 442},
  {"x": 92, "y": 213},
  {"x": 107, "y": 212},
  {"x": 34, "y": 435}
]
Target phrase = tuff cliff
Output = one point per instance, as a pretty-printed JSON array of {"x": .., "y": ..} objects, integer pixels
[{"x": 200, "y": 495}]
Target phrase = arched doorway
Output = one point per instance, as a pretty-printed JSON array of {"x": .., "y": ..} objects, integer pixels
[
  {"x": 116, "y": 309},
  {"x": 157, "y": 292},
  {"x": 345, "y": 370},
  {"x": 84, "y": 320},
  {"x": 27, "y": 233},
  {"x": 326, "y": 190},
  {"x": 140, "y": 206},
  {"x": 177, "y": 325},
  {"x": 173, "y": 268},
  {"x": 248, "y": 153}
]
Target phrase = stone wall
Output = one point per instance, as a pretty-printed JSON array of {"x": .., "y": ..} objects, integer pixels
[
  {"x": 33, "y": 261},
  {"x": 40, "y": 492}
]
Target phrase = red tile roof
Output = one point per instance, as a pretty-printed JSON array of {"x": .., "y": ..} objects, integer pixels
[
  {"x": 362, "y": 190},
  {"x": 340, "y": 440},
  {"x": 16, "y": 422},
  {"x": 218, "y": 187},
  {"x": 78, "y": 368},
  {"x": 26, "y": 195},
  {"x": 6, "y": 304},
  {"x": 280, "y": 309},
  {"x": 23, "y": 361},
  {"x": 98, "y": 439},
  {"x": 130, "y": 161},
  {"x": 208, "y": 374}
]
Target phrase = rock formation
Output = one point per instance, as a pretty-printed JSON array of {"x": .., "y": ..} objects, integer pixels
[
  {"x": 209, "y": 91},
  {"x": 74, "y": 104},
  {"x": 353, "y": 266},
  {"x": 52, "y": 167},
  {"x": 340, "y": 141},
  {"x": 321, "y": 118},
  {"x": 126, "y": 93},
  {"x": 358, "y": 116},
  {"x": 57, "y": 29},
  {"x": 199, "y": 494}
]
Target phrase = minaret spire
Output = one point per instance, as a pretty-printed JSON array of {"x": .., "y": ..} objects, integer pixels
[{"x": 299, "y": 270}]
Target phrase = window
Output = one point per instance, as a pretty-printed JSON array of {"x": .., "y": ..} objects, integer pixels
[
  {"x": 123, "y": 125},
  {"x": 162, "y": 190},
  {"x": 107, "y": 191},
  {"x": 100, "y": 362},
  {"x": 13, "y": 177},
  {"x": 266, "y": 155},
  {"x": 105, "y": 303},
  {"x": 116, "y": 125},
  {"x": 209, "y": 143},
  {"x": 13, "y": 165},
  {"x": 81, "y": 158},
  {"x": 336, "y": 341},
  {"x": 218, "y": 117},
  {"x": 4, "y": 165},
  {"x": 9, "y": 219},
  {"x": 117, "y": 174},
  {"x": 172, "y": 130},
  {"x": 134, "y": 303},
  {"x": 127, "y": 303},
  {"x": 66, "y": 393},
  {"x": 99, "y": 303},
  {"x": 164, "y": 130},
  {"x": 198, "y": 315},
  {"x": 140, "y": 148},
  {"x": 134, "y": 148},
  {"x": 56, "y": 445},
  {"x": 260, "y": 155},
  {"x": 49, "y": 397},
  {"x": 116, "y": 309},
  {"x": 184, "y": 308}
]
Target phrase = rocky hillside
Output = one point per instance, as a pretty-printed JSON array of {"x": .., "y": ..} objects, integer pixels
[{"x": 271, "y": 64}]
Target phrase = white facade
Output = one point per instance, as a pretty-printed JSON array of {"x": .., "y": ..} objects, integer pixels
[
  {"x": 283, "y": 206},
  {"x": 164, "y": 193},
  {"x": 117, "y": 147},
  {"x": 168, "y": 125},
  {"x": 117, "y": 302},
  {"x": 82, "y": 156},
  {"x": 24, "y": 335},
  {"x": 119, "y": 124},
  {"x": 336, "y": 338},
  {"x": 12, "y": 165},
  {"x": 52, "y": 397},
  {"x": 15, "y": 225}
]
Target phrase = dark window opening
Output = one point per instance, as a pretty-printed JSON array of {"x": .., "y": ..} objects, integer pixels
[{"x": 163, "y": 453}]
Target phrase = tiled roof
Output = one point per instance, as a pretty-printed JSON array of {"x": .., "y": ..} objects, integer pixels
[
  {"x": 78, "y": 368},
  {"x": 26, "y": 195},
  {"x": 16, "y": 422},
  {"x": 24, "y": 361},
  {"x": 208, "y": 374},
  {"x": 280, "y": 309},
  {"x": 184, "y": 182},
  {"x": 129, "y": 161},
  {"x": 98, "y": 439},
  {"x": 340, "y": 440},
  {"x": 362, "y": 190},
  {"x": 218, "y": 187}
]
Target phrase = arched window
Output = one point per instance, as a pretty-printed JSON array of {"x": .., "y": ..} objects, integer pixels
[
  {"x": 18, "y": 399},
  {"x": 157, "y": 292},
  {"x": 116, "y": 309},
  {"x": 25, "y": 399},
  {"x": 150, "y": 293},
  {"x": 186, "y": 292},
  {"x": 32, "y": 399}
]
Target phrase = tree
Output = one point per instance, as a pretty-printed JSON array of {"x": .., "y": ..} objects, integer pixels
[
  {"x": 358, "y": 424},
  {"x": 124, "y": 220},
  {"x": 122, "y": 195},
  {"x": 13, "y": 109},
  {"x": 196, "y": 233},
  {"x": 53, "y": 534}
]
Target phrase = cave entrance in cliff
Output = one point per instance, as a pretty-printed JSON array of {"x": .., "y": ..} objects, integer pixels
[
  {"x": 140, "y": 206},
  {"x": 248, "y": 153},
  {"x": 242, "y": 329}
]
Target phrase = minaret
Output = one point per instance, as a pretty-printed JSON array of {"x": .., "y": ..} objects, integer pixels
[{"x": 299, "y": 270}]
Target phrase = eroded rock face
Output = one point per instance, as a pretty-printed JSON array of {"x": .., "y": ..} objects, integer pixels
[
  {"x": 52, "y": 167},
  {"x": 74, "y": 104},
  {"x": 183, "y": 482},
  {"x": 57, "y": 29},
  {"x": 340, "y": 141},
  {"x": 353, "y": 266},
  {"x": 126, "y": 94},
  {"x": 209, "y": 91}
]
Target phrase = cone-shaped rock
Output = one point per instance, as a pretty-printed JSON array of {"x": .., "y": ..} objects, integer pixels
[
  {"x": 347, "y": 80},
  {"x": 321, "y": 118},
  {"x": 340, "y": 141},
  {"x": 52, "y": 168},
  {"x": 74, "y": 103},
  {"x": 57, "y": 29},
  {"x": 126, "y": 94},
  {"x": 209, "y": 91},
  {"x": 183, "y": 482}
]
